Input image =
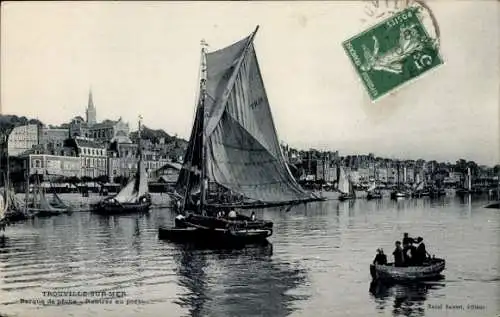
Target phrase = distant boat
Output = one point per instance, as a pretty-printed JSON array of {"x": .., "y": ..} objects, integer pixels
[
  {"x": 345, "y": 186},
  {"x": 466, "y": 188},
  {"x": 373, "y": 192},
  {"x": 134, "y": 197},
  {"x": 234, "y": 158},
  {"x": 399, "y": 192},
  {"x": 420, "y": 190},
  {"x": 40, "y": 206}
]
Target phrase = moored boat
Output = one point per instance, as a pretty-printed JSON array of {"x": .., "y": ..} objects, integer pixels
[
  {"x": 133, "y": 198},
  {"x": 233, "y": 158},
  {"x": 40, "y": 206},
  {"x": 429, "y": 270},
  {"x": 373, "y": 192},
  {"x": 374, "y": 195},
  {"x": 345, "y": 186},
  {"x": 398, "y": 194},
  {"x": 216, "y": 236}
]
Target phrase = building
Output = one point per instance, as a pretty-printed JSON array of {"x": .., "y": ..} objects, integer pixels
[
  {"x": 168, "y": 173},
  {"x": 93, "y": 156},
  {"x": 107, "y": 131},
  {"x": 53, "y": 139},
  {"x": 123, "y": 159},
  {"x": 23, "y": 138},
  {"x": 110, "y": 131},
  {"x": 68, "y": 166},
  {"x": 381, "y": 175}
]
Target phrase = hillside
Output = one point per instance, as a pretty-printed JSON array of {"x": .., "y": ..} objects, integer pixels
[
  {"x": 155, "y": 136},
  {"x": 8, "y": 122}
]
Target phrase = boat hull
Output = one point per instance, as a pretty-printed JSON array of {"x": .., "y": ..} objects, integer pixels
[
  {"x": 106, "y": 208},
  {"x": 396, "y": 195},
  {"x": 214, "y": 237},
  {"x": 241, "y": 222},
  {"x": 374, "y": 196},
  {"x": 48, "y": 212},
  {"x": 346, "y": 197},
  {"x": 411, "y": 273},
  {"x": 262, "y": 204}
]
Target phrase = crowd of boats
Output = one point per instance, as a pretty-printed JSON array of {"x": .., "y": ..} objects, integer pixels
[{"x": 345, "y": 187}]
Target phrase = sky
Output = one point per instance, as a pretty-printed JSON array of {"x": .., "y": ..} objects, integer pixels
[{"x": 143, "y": 58}]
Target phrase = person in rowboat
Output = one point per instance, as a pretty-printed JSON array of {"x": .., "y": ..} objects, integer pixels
[
  {"x": 421, "y": 253},
  {"x": 380, "y": 258},
  {"x": 407, "y": 243},
  {"x": 407, "y": 240},
  {"x": 398, "y": 255}
]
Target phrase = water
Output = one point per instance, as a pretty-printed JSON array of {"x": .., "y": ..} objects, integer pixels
[{"x": 317, "y": 264}]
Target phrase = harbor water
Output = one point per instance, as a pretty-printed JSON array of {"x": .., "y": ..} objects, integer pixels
[{"x": 317, "y": 264}]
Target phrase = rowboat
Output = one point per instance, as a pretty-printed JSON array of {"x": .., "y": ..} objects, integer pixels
[
  {"x": 430, "y": 270},
  {"x": 215, "y": 236},
  {"x": 203, "y": 229}
]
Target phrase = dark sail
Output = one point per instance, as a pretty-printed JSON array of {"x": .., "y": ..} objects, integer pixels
[{"x": 243, "y": 153}]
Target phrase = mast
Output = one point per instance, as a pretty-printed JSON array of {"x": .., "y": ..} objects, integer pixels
[
  {"x": 469, "y": 179},
  {"x": 203, "y": 88},
  {"x": 139, "y": 149},
  {"x": 203, "y": 134}
]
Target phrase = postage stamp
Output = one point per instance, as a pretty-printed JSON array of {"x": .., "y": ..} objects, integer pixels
[{"x": 393, "y": 52}]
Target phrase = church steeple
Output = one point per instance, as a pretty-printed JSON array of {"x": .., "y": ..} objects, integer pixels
[{"x": 91, "y": 112}]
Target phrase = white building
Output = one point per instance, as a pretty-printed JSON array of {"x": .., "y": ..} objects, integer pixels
[{"x": 22, "y": 138}]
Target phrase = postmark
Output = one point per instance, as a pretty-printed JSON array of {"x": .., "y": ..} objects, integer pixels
[{"x": 393, "y": 52}]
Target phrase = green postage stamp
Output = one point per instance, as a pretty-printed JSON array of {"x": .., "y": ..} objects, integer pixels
[{"x": 392, "y": 52}]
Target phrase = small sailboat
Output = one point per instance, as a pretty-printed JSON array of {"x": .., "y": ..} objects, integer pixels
[
  {"x": 134, "y": 197},
  {"x": 233, "y": 150},
  {"x": 399, "y": 192},
  {"x": 345, "y": 186},
  {"x": 40, "y": 206},
  {"x": 420, "y": 190},
  {"x": 373, "y": 192},
  {"x": 467, "y": 184}
]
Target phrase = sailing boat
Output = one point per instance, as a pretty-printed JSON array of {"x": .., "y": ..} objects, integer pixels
[
  {"x": 39, "y": 204},
  {"x": 345, "y": 186},
  {"x": 373, "y": 192},
  {"x": 467, "y": 184},
  {"x": 234, "y": 148},
  {"x": 399, "y": 192},
  {"x": 134, "y": 197}
]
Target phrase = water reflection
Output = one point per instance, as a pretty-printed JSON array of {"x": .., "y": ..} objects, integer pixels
[
  {"x": 406, "y": 299},
  {"x": 245, "y": 282}
]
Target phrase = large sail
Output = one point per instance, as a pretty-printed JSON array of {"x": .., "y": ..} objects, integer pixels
[
  {"x": 345, "y": 184},
  {"x": 420, "y": 186},
  {"x": 372, "y": 187},
  {"x": 136, "y": 187},
  {"x": 243, "y": 152}
]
